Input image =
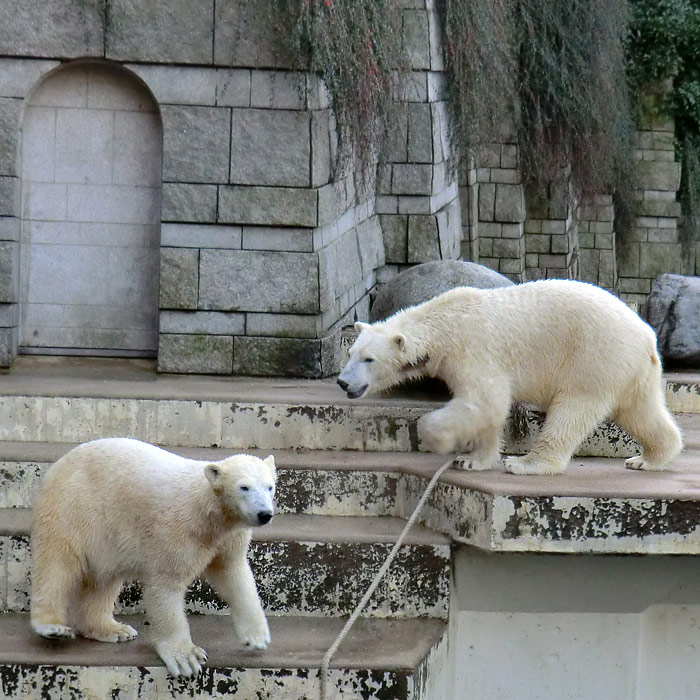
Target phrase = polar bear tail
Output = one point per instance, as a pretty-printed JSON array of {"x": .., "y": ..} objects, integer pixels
[{"x": 644, "y": 414}]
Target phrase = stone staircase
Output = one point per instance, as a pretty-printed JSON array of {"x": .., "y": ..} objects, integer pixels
[{"x": 349, "y": 474}]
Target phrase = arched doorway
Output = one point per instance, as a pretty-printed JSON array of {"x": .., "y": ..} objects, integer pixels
[{"x": 91, "y": 177}]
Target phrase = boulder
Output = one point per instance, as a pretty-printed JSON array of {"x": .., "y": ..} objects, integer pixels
[
  {"x": 422, "y": 282},
  {"x": 673, "y": 311}
]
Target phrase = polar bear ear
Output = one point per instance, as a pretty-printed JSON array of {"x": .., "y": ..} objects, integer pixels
[
  {"x": 213, "y": 473},
  {"x": 359, "y": 327},
  {"x": 400, "y": 341},
  {"x": 270, "y": 461}
]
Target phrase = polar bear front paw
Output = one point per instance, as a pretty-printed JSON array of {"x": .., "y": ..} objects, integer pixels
[
  {"x": 640, "y": 464},
  {"x": 53, "y": 631},
  {"x": 113, "y": 634},
  {"x": 433, "y": 436},
  {"x": 527, "y": 465},
  {"x": 255, "y": 635},
  {"x": 182, "y": 661}
]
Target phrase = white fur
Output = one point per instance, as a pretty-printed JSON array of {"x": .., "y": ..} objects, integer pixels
[
  {"x": 119, "y": 509},
  {"x": 570, "y": 348}
]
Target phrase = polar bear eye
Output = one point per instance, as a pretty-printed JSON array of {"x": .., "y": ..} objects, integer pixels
[
  {"x": 269, "y": 488},
  {"x": 368, "y": 359},
  {"x": 244, "y": 488}
]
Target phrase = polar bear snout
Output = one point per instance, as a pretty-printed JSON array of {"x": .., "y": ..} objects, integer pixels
[
  {"x": 264, "y": 517},
  {"x": 353, "y": 393}
]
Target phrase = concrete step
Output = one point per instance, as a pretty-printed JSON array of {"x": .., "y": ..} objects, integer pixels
[
  {"x": 72, "y": 400},
  {"x": 398, "y": 659},
  {"x": 303, "y": 565}
]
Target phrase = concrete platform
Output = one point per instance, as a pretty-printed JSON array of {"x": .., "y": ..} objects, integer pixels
[{"x": 394, "y": 652}]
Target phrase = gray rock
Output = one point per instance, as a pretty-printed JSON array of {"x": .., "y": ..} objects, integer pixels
[
  {"x": 423, "y": 282},
  {"x": 673, "y": 311}
]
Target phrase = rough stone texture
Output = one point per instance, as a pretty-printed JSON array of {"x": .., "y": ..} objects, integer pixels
[
  {"x": 673, "y": 311},
  {"x": 169, "y": 31},
  {"x": 9, "y": 271},
  {"x": 423, "y": 241},
  {"x": 423, "y": 282},
  {"x": 202, "y": 322},
  {"x": 8, "y": 345},
  {"x": 274, "y": 281},
  {"x": 395, "y": 235},
  {"x": 195, "y": 354},
  {"x": 178, "y": 278},
  {"x": 10, "y": 111},
  {"x": 268, "y": 206},
  {"x": 275, "y": 357},
  {"x": 196, "y": 143},
  {"x": 188, "y": 203},
  {"x": 270, "y": 147},
  {"x": 55, "y": 28},
  {"x": 244, "y": 35}
]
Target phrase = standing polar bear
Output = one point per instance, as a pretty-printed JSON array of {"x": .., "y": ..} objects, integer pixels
[
  {"x": 570, "y": 348},
  {"x": 117, "y": 508}
]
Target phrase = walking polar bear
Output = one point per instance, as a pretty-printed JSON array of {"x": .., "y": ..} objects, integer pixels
[
  {"x": 117, "y": 509},
  {"x": 570, "y": 348}
]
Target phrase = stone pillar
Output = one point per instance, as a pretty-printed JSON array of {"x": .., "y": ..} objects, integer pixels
[
  {"x": 551, "y": 233},
  {"x": 417, "y": 198},
  {"x": 596, "y": 236},
  {"x": 653, "y": 246}
]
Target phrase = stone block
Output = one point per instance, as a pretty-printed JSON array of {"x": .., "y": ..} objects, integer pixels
[
  {"x": 628, "y": 259},
  {"x": 246, "y": 280},
  {"x": 247, "y": 34},
  {"x": 233, "y": 87},
  {"x": 607, "y": 271},
  {"x": 449, "y": 222},
  {"x": 322, "y": 147},
  {"x": 560, "y": 244},
  {"x": 553, "y": 261},
  {"x": 195, "y": 354},
  {"x": 537, "y": 243},
  {"x": 423, "y": 240},
  {"x": 437, "y": 87},
  {"x": 412, "y": 178},
  {"x": 662, "y": 235},
  {"x": 630, "y": 285},
  {"x": 168, "y": 31},
  {"x": 555, "y": 226},
  {"x": 511, "y": 230},
  {"x": 188, "y": 203},
  {"x": 270, "y": 147},
  {"x": 487, "y": 201},
  {"x": 489, "y": 229},
  {"x": 511, "y": 267},
  {"x": 442, "y": 148},
  {"x": 9, "y": 315},
  {"x": 282, "y": 325},
  {"x": 420, "y": 138},
  {"x": 179, "y": 278},
  {"x": 395, "y": 234},
  {"x": 604, "y": 241},
  {"x": 202, "y": 322},
  {"x": 10, "y": 111},
  {"x": 532, "y": 260},
  {"x": 196, "y": 143},
  {"x": 9, "y": 340},
  {"x": 9, "y": 271},
  {"x": 268, "y": 206},
  {"x": 297, "y": 240},
  {"x": 48, "y": 28},
  {"x": 416, "y": 39},
  {"x": 435, "y": 33},
  {"x": 199, "y": 236},
  {"x": 509, "y": 156},
  {"x": 658, "y": 258},
  {"x": 389, "y": 204},
  {"x": 506, "y": 248},
  {"x": 278, "y": 90},
  {"x": 505, "y": 176},
  {"x": 19, "y": 75},
  {"x": 586, "y": 240},
  {"x": 370, "y": 244},
  {"x": 268, "y": 357},
  {"x": 652, "y": 175},
  {"x": 509, "y": 203},
  {"x": 179, "y": 85},
  {"x": 340, "y": 268},
  {"x": 658, "y": 208}
]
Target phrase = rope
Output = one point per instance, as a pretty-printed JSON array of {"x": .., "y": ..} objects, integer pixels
[{"x": 377, "y": 579}]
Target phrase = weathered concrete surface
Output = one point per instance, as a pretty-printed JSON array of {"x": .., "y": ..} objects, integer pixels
[
  {"x": 683, "y": 392},
  {"x": 303, "y": 565},
  {"x": 379, "y": 656}
]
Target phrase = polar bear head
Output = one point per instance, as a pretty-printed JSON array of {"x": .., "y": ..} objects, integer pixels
[
  {"x": 246, "y": 485},
  {"x": 379, "y": 359}
]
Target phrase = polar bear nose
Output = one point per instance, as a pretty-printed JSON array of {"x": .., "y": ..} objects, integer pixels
[
  {"x": 343, "y": 385},
  {"x": 264, "y": 517}
]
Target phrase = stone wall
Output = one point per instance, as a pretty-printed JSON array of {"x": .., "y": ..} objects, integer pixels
[{"x": 265, "y": 253}]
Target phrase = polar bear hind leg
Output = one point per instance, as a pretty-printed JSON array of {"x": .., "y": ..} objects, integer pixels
[
  {"x": 645, "y": 416},
  {"x": 95, "y": 615},
  {"x": 569, "y": 421}
]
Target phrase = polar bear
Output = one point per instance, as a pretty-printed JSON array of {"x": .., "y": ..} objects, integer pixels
[
  {"x": 570, "y": 348},
  {"x": 117, "y": 508}
]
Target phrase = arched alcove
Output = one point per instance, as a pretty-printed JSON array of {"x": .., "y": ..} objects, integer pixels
[{"x": 91, "y": 179}]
